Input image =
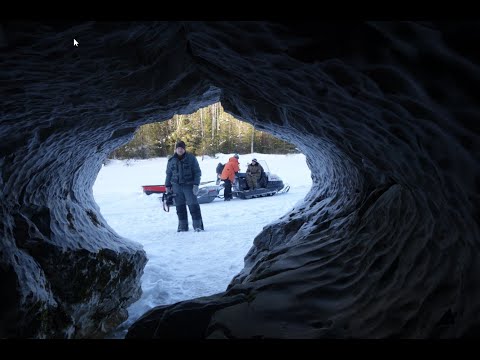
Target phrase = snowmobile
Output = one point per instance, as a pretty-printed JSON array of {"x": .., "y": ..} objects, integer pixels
[{"x": 270, "y": 184}]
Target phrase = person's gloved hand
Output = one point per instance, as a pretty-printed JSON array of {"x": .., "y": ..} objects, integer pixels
[
  {"x": 195, "y": 189},
  {"x": 168, "y": 189}
]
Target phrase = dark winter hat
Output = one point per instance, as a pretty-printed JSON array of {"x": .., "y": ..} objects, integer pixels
[
  {"x": 180, "y": 144},
  {"x": 236, "y": 156},
  {"x": 254, "y": 160}
]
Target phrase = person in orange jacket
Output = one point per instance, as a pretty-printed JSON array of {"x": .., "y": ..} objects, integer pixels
[{"x": 228, "y": 176}]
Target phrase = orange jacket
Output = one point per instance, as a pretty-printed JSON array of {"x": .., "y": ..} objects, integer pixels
[{"x": 231, "y": 167}]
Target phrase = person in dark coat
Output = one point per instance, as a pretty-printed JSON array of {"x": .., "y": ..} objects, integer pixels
[
  {"x": 183, "y": 178},
  {"x": 254, "y": 173}
]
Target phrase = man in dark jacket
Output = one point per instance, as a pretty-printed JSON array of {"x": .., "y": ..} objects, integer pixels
[
  {"x": 183, "y": 178},
  {"x": 254, "y": 174}
]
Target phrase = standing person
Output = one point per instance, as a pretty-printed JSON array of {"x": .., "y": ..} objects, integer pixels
[
  {"x": 183, "y": 178},
  {"x": 228, "y": 176},
  {"x": 254, "y": 173},
  {"x": 219, "y": 170}
]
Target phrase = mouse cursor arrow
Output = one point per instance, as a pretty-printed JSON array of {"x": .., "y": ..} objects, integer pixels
[{"x": 75, "y": 42}]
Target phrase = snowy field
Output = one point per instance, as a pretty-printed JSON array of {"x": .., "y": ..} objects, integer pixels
[{"x": 187, "y": 265}]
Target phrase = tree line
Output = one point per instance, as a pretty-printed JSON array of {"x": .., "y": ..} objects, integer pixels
[{"x": 207, "y": 131}]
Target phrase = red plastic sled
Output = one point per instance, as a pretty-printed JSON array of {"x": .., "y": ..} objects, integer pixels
[{"x": 154, "y": 189}]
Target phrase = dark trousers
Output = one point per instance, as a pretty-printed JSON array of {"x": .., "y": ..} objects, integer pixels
[
  {"x": 252, "y": 182},
  {"x": 227, "y": 193},
  {"x": 184, "y": 196}
]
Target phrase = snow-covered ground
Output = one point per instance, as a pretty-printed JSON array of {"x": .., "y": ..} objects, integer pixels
[{"x": 187, "y": 265}]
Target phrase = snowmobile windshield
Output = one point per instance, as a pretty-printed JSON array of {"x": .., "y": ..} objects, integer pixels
[{"x": 264, "y": 166}]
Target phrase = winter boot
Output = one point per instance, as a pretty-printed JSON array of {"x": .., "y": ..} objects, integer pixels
[
  {"x": 182, "y": 225},
  {"x": 198, "y": 225}
]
